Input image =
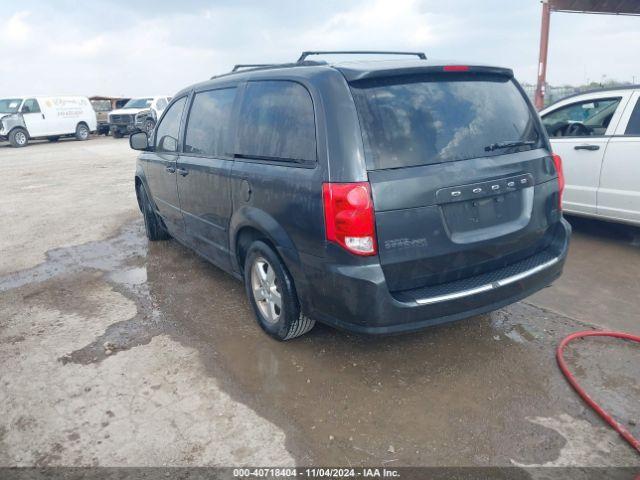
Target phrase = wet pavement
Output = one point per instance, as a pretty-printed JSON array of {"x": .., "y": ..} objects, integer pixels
[
  {"x": 601, "y": 284},
  {"x": 120, "y": 352}
]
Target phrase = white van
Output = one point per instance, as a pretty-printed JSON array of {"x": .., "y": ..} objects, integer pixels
[{"x": 22, "y": 119}]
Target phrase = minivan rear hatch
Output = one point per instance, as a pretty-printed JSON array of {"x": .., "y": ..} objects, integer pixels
[{"x": 461, "y": 175}]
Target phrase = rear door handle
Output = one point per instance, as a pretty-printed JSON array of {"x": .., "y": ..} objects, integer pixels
[
  {"x": 183, "y": 171},
  {"x": 170, "y": 169},
  {"x": 587, "y": 147}
]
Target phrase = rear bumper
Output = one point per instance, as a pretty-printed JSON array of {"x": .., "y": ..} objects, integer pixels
[{"x": 356, "y": 298}]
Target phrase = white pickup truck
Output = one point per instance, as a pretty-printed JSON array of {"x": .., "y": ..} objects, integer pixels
[
  {"x": 138, "y": 114},
  {"x": 597, "y": 134}
]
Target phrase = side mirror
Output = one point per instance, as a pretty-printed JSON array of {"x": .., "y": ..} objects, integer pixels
[
  {"x": 168, "y": 144},
  {"x": 139, "y": 141}
]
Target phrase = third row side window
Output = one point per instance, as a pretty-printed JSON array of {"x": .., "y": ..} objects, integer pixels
[{"x": 277, "y": 122}]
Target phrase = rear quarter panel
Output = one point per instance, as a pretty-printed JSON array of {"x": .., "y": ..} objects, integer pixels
[
  {"x": 288, "y": 194},
  {"x": 284, "y": 200}
]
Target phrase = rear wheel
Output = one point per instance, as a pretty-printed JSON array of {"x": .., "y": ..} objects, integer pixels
[
  {"x": 18, "y": 137},
  {"x": 117, "y": 133},
  {"x": 272, "y": 294},
  {"x": 82, "y": 132},
  {"x": 153, "y": 226}
]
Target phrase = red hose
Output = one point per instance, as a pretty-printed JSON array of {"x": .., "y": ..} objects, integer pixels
[{"x": 634, "y": 442}]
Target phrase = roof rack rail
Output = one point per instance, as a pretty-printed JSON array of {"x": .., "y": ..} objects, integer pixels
[
  {"x": 251, "y": 65},
  {"x": 304, "y": 55},
  {"x": 266, "y": 66}
]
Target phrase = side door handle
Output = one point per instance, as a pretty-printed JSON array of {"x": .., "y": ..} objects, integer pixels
[
  {"x": 183, "y": 171},
  {"x": 170, "y": 169},
  {"x": 587, "y": 147}
]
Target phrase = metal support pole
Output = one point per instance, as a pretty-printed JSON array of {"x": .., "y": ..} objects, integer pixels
[{"x": 544, "y": 47}]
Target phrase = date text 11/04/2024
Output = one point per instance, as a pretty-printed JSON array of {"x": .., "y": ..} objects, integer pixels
[{"x": 316, "y": 472}]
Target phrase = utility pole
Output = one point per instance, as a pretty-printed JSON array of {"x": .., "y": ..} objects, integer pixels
[{"x": 542, "y": 62}]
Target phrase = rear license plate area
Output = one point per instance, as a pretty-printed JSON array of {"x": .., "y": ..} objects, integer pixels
[
  {"x": 484, "y": 205},
  {"x": 483, "y": 212}
]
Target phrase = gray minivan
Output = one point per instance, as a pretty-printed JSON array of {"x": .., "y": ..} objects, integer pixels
[{"x": 374, "y": 196}]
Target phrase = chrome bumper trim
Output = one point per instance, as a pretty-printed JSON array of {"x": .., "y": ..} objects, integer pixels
[{"x": 488, "y": 286}]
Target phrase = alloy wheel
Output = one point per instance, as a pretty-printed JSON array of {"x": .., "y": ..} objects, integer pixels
[
  {"x": 21, "y": 138},
  {"x": 266, "y": 292}
]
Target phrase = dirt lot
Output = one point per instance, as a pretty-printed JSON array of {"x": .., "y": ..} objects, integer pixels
[{"x": 117, "y": 352}]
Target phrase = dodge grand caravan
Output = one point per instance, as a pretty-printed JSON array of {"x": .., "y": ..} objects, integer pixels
[{"x": 375, "y": 196}]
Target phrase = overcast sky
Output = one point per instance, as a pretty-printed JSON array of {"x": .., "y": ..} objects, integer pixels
[{"x": 130, "y": 47}]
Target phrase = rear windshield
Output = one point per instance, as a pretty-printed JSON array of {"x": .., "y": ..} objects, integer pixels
[{"x": 422, "y": 120}]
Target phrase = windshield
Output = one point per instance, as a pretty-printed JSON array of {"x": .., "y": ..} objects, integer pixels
[
  {"x": 10, "y": 105},
  {"x": 139, "y": 103},
  {"x": 427, "y": 119}
]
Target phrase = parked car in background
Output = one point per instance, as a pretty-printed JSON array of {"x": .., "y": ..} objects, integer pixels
[
  {"x": 597, "y": 134},
  {"x": 102, "y": 107},
  {"x": 379, "y": 197},
  {"x": 26, "y": 118},
  {"x": 138, "y": 114}
]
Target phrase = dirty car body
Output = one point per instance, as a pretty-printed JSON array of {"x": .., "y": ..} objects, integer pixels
[{"x": 407, "y": 193}]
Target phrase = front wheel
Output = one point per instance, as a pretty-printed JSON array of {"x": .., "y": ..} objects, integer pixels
[
  {"x": 153, "y": 226},
  {"x": 272, "y": 294},
  {"x": 82, "y": 132},
  {"x": 18, "y": 137},
  {"x": 117, "y": 133}
]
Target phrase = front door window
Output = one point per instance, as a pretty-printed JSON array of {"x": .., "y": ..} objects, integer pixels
[
  {"x": 167, "y": 131},
  {"x": 581, "y": 119},
  {"x": 30, "y": 106}
]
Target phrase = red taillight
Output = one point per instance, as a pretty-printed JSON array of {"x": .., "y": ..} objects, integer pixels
[
  {"x": 348, "y": 216},
  {"x": 557, "y": 161},
  {"x": 455, "y": 68}
]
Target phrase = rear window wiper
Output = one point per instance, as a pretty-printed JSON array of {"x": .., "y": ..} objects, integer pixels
[{"x": 501, "y": 145}]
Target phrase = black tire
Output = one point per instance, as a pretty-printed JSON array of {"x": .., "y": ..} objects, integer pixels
[
  {"x": 153, "y": 226},
  {"x": 82, "y": 132},
  {"x": 149, "y": 125},
  {"x": 290, "y": 322},
  {"x": 117, "y": 133},
  {"x": 18, "y": 137},
  {"x": 53, "y": 139}
]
